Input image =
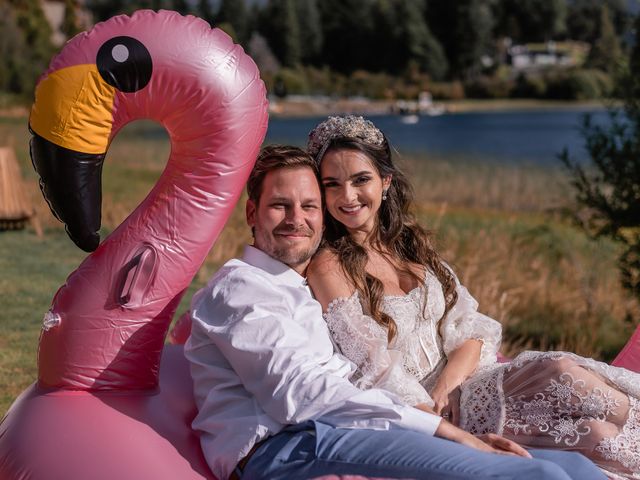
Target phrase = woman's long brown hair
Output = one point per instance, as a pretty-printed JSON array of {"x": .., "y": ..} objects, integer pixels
[{"x": 397, "y": 235}]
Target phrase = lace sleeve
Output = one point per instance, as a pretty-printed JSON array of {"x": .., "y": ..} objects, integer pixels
[
  {"x": 363, "y": 341},
  {"x": 464, "y": 322}
]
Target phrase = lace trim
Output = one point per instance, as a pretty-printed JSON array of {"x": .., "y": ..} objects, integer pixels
[
  {"x": 625, "y": 447},
  {"x": 481, "y": 408},
  {"x": 561, "y": 410},
  {"x": 625, "y": 380}
]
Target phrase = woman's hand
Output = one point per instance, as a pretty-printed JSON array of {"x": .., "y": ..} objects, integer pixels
[
  {"x": 447, "y": 405},
  {"x": 425, "y": 408}
]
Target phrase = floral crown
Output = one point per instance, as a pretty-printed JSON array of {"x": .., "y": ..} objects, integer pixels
[{"x": 349, "y": 126}]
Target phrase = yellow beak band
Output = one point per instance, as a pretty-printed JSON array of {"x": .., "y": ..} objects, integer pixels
[{"x": 73, "y": 109}]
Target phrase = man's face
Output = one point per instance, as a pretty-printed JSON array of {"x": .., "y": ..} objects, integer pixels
[{"x": 287, "y": 220}]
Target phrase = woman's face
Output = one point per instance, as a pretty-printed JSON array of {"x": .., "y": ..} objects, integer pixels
[{"x": 353, "y": 189}]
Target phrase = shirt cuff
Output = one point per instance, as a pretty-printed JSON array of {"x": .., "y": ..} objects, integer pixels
[{"x": 419, "y": 421}]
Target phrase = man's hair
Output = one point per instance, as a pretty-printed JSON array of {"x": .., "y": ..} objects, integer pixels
[{"x": 274, "y": 157}]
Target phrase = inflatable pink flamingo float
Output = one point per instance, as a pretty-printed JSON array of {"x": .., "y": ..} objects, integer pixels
[{"x": 100, "y": 409}]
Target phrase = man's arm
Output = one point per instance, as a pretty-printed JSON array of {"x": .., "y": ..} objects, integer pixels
[{"x": 287, "y": 362}]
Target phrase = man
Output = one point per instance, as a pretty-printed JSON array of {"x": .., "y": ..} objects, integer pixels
[{"x": 274, "y": 398}]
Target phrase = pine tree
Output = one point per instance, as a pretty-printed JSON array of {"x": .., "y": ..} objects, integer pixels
[
  {"x": 464, "y": 28},
  {"x": 181, "y": 6},
  {"x": 36, "y": 32},
  {"x": 347, "y": 30},
  {"x": 417, "y": 41},
  {"x": 310, "y": 30},
  {"x": 279, "y": 25},
  {"x": 608, "y": 188},
  {"x": 70, "y": 24},
  {"x": 234, "y": 12},
  {"x": 13, "y": 51},
  {"x": 605, "y": 52},
  {"x": 205, "y": 11}
]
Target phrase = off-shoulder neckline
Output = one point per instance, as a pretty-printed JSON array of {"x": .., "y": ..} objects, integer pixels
[{"x": 342, "y": 299}]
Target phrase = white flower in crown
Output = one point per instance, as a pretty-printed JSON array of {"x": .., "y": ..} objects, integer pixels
[{"x": 342, "y": 127}]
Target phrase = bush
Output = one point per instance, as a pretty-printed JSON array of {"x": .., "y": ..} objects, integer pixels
[
  {"x": 529, "y": 86},
  {"x": 578, "y": 84},
  {"x": 372, "y": 85},
  {"x": 290, "y": 81},
  {"x": 489, "y": 87},
  {"x": 447, "y": 90}
]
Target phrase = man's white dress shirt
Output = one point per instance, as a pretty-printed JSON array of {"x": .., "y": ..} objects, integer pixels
[{"x": 262, "y": 358}]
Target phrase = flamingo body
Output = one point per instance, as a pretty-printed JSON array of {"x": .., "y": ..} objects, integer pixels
[{"x": 101, "y": 409}]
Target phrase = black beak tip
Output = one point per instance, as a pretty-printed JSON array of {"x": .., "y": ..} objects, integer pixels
[
  {"x": 71, "y": 183},
  {"x": 88, "y": 242}
]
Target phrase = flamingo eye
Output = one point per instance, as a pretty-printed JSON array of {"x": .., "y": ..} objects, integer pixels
[{"x": 124, "y": 63}]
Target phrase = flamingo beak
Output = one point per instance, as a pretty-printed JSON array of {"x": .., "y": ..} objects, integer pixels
[{"x": 71, "y": 121}]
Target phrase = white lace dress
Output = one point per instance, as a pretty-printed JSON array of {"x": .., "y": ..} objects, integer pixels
[{"x": 540, "y": 399}]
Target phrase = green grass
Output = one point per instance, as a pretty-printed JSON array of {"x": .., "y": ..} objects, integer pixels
[{"x": 549, "y": 285}]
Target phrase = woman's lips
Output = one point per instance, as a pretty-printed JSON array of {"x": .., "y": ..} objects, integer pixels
[{"x": 351, "y": 210}]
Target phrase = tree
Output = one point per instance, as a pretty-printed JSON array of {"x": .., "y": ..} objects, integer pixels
[
  {"x": 205, "y": 11},
  {"x": 417, "y": 41},
  {"x": 180, "y": 6},
  {"x": 605, "y": 52},
  {"x": 234, "y": 12},
  {"x": 279, "y": 25},
  {"x": 70, "y": 24},
  {"x": 583, "y": 18},
  {"x": 13, "y": 51},
  {"x": 347, "y": 30},
  {"x": 36, "y": 32},
  {"x": 105, "y": 9},
  {"x": 402, "y": 38},
  {"x": 608, "y": 189},
  {"x": 310, "y": 30},
  {"x": 464, "y": 28},
  {"x": 530, "y": 20}
]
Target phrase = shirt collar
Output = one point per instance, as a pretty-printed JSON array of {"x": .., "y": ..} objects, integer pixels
[{"x": 283, "y": 273}]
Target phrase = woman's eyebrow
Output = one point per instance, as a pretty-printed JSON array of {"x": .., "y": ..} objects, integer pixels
[
  {"x": 363, "y": 172},
  {"x": 358, "y": 174}
]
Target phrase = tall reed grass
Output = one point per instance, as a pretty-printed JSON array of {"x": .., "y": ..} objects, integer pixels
[{"x": 500, "y": 226}]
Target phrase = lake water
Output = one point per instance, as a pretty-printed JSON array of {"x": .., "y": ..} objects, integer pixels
[{"x": 532, "y": 137}]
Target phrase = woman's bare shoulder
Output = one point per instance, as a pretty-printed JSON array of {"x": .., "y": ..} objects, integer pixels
[
  {"x": 327, "y": 278},
  {"x": 324, "y": 262}
]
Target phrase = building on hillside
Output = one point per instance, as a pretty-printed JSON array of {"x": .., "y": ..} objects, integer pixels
[{"x": 535, "y": 56}]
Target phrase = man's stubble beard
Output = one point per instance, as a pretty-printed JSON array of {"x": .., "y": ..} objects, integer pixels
[
  {"x": 289, "y": 256},
  {"x": 292, "y": 257}
]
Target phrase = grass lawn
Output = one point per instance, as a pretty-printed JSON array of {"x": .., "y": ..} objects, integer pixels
[{"x": 549, "y": 285}]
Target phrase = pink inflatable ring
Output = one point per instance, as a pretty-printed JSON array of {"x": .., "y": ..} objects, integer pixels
[{"x": 102, "y": 407}]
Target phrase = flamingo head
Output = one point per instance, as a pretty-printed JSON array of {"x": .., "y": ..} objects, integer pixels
[
  {"x": 156, "y": 65},
  {"x": 72, "y": 122}
]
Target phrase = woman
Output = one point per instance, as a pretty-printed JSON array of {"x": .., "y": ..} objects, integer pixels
[{"x": 400, "y": 314}]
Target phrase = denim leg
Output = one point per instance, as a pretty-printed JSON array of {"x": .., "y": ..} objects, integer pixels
[
  {"x": 575, "y": 464},
  {"x": 390, "y": 454}
]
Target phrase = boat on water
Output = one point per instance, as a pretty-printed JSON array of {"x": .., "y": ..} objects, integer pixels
[{"x": 409, "y": 119}]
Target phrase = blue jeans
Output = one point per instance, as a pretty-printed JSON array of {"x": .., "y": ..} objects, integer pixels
[{"x": 315, "y": 449}]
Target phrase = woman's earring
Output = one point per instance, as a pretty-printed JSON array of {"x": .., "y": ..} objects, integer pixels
[{"x": 384, "y": 195}]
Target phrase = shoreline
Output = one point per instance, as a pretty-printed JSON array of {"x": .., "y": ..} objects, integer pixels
[
  {"x": 303, "y": 106},
  {"x": 299, "y": 107}
]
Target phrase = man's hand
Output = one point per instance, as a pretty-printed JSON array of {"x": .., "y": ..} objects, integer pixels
[
  {"x": 490, "y": 443},
  {"x": 503, "y": 444}
]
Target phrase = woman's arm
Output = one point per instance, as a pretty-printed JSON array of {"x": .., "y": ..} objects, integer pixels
[
  {"x": 461, "y": 363},
  {"x": 326, "y": 278},
  {"x": 470, "y": 340}
]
